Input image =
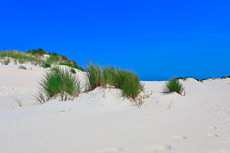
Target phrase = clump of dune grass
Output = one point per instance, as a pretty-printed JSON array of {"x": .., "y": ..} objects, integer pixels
[
  {"x": 56, "y": 82},
  {"x": 93, "y": 75},
  {"x": 21, "y": 61},
  {"x": 207, "y": 79},
  {"x": 46, "y": 65},
  {"x": 34, "y": 56},
  {"x": 54, "y": 58},
  {"x": 192, "y": 77},
  {"x": 22, "y": 67},
  {"x": 128, "y": 82},
  {"x": 173, "y": 85},
  {"x": 15, "y": 62},
  {"x": 6, "y": 61},
  {"x": 225, "y": 77},
  {"x": 72, "y": 64},
  {"x": 36, "y": 52},
  {"x": 19, "y": 56},
  {"x": 72, "y": 71},
  {"x": 108, "y": 75},
  {"x": 16, "y": 55}
]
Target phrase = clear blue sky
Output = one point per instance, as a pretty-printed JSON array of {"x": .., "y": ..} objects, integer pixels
[{"x": 157, "y": 39}]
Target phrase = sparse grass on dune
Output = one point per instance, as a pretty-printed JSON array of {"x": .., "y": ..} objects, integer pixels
[
  {"x": 173, "y": 85},
  {"x": 58, "y": 81},
  {"x": 201, "y": 80},
  {"x": 192, "y": 77},
  {"x": 35, "y": 57},
  {"x": 16, "y": 55},
  {"x": 36, "y": 52},
  {"x": 225, "y": 77},
  {"x": 21, "y": 57},
  {"x": 123, "y": 79},
  {"x": 186, "y": 78},
  {"x": 22, "y": 67},
  {"x": 73, "y": 66},
  {"x": 6, "y": 61},
  {"x": 207, "y": 79},
  {"x": 54, "y": 58}
]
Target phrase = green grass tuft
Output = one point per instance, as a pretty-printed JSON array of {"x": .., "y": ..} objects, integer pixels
[
  {"x": 22, "y": 67},
  {"x": 72, "y": 65},
  {"x": 94, "y": 75},
  {"x": 36, "y": 52},
  {"x": 225, "y": 77},
  {"x": 192, "y": 77},
  {"x": 46, "y": 65},
  {"x": 123, "y": 79},
  {"x": 173, "y": 85},
  {"x": 6, "y": 61},
  {"x": 59, "y": 81},
  {"x": 72, "y": 71}
]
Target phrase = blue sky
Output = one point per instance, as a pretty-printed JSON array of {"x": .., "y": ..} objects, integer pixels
[{"x": 157, "y": 39}]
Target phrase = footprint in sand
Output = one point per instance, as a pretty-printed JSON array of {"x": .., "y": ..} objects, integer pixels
[
  {"x": 220, "y": 151},
  {"x": 159, "y": 147},
  {"x": 228, "y": 140},
  {"x": 212, "y": 127},
  {"x": 111, "y": 150},
  {"x": 177, "y": 138},
  {"x": 227, "y": 120},
  {"x": 209, "y": 135}
]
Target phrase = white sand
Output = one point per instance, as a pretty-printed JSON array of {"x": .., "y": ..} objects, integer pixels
[{"x": 102, "y": 121}]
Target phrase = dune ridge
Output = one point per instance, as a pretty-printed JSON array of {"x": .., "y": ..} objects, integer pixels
[{"x": 103, "y": 121}]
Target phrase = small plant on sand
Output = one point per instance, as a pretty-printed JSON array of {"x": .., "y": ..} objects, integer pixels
[
  {"x": 78, "y": 90},
  {"x": 15, "y": 62},
  {"x": 6, "y": 61},
  {"x": 17, "y": 100},
  {"x": 46, "y": 65},
  {"x": 22, "y": 67},
  {"x": 40, "y": 96},
  {"x": 72, "y": 71},
  {"x": 58, "y": 81},
  {"x": 173, "y": 85},
  {"x": 140, "y": 102},
  {"x": 21, "y": 61},
  {"x": 169, "y": 105}
]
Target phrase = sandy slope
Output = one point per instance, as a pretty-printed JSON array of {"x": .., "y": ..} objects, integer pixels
[{"x": 103, "y": 121}]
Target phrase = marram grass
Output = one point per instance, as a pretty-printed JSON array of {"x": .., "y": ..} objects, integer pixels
[
  {"x": 72, "y": 71},
  {"x": 108, "y": 75},
  {"x": 22, "y": 67},
  {"x": 34, "y": 57},
  {"x": 94, "y": 75},
  {"x": 174, "y": 85},
  {"x": 58, "y": 81}
]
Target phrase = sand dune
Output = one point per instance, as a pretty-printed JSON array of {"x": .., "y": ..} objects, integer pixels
[{"x": 102, "y": 121}]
